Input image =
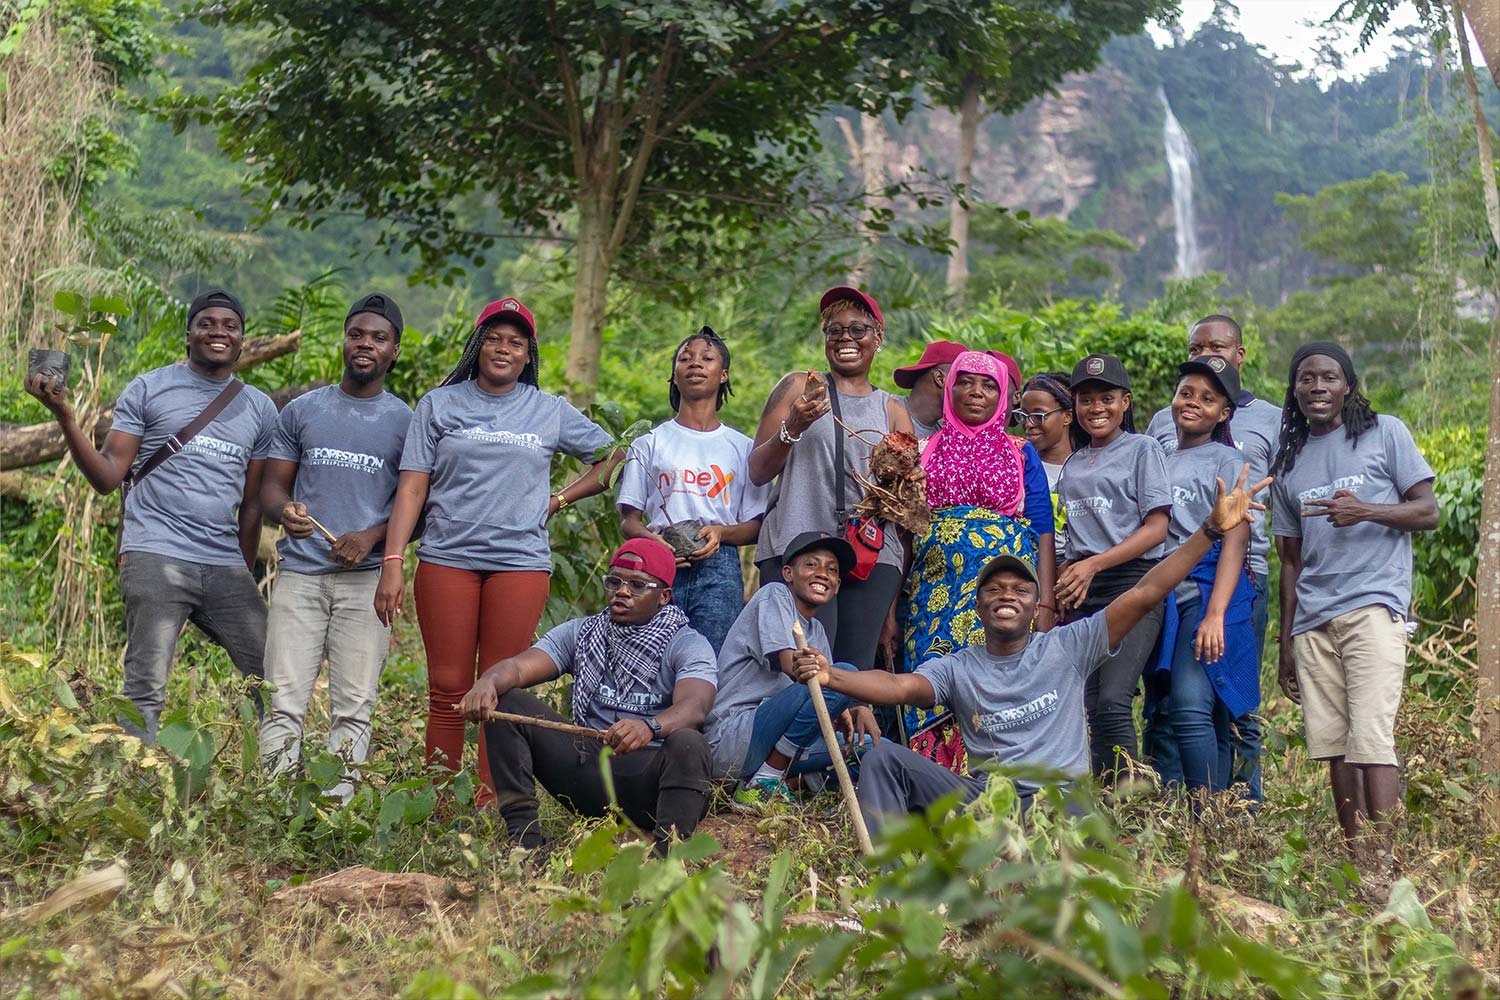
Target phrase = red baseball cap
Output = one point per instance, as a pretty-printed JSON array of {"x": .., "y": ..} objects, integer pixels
[
  {"x": 844, "y": 293},
  {"x": 649, "y": 556},
  {"x": 1010, "y": 366},
  {"x": 512, "y": 308},
  {"x": 939, "y": 352}
]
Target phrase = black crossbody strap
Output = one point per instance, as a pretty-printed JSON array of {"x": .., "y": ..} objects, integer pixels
[
  {"x": 840, "y": 511},
  {"x": 176, "y": 442}
]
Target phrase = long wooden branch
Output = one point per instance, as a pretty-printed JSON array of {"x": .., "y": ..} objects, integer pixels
[{"x": 32, "y": 444}]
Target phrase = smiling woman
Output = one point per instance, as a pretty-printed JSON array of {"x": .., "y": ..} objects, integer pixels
[{"x": 477, "y": 464}]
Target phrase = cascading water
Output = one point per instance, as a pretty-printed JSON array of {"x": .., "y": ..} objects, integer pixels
[{"x": 1180, "y": 157}]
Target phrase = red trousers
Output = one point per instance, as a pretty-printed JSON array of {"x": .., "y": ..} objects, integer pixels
[{"x": 470, "y": 620}]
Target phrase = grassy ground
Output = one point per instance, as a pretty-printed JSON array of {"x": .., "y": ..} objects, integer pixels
[{"x": 220, "y": 863}]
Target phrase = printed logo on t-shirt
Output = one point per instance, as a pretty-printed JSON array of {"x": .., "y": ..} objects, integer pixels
[
  {"x": 532, "y": 442},
  {"x": 338, "y": 459},
  {"x": 1020, "y": 715},
  {"x": 713, "y": 484},
  {"x": 634, "y": 702},
  {"x": 1350, "y": 483},
  {"x": 1184, "y": 496},
  {"x": 1077, "y": 507},
  {"x": 227, "y": 450}
]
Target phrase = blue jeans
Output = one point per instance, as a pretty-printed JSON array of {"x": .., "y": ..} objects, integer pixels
[
  {"x": 1200, "y": 722},
  {"x": 712, "y": 593},
  {"x": 789, "y": 714}
]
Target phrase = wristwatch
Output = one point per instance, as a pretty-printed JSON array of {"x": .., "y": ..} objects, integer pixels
[{"x": 655, "y": 727}]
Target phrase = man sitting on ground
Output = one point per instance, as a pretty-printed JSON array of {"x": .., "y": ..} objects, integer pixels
[
  {"x": 763, "y": 726},
  {"x": 1019, "y": 699},
  {"x": 642, "y": 675}
]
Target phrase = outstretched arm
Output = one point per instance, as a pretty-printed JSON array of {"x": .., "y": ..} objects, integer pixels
[
  {"x": 527, "y": 668},
  {"x": 103, "y": 467},
  {"x": 1231, "y": 509},
  {"x": 876, "y": 687}
]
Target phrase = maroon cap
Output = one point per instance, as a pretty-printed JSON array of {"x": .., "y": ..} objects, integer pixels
[
  {"x": 844, "y": 293},
  {"x": 649, "y": 556},
  {"x": 1010, "y": 366},
  {"x": 939, "y": 352},
  {"x": 510, "y": 308}
]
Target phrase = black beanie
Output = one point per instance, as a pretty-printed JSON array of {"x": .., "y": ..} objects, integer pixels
[
  {"x": 380, "y": 305},
  {"x": 1327, "y": 349},
  {"x": 215, "y": 298}
]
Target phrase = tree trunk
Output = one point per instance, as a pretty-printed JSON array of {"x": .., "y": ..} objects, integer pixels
[
  {"x": 591, "y": 283},
  {"x": 1487, "y": 598},
  {"x": 868, "y": 154},
  {"x": 963, "y": 176}
]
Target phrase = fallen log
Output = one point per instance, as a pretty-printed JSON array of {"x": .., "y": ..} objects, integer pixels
[{"x": 32, "y": 444}]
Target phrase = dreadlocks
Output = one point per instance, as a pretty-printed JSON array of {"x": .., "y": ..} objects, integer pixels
[
  {"x": 1358, "y": 415},
  {"x": 707, "y": 335},
  {"x": 468, "y": 365}
]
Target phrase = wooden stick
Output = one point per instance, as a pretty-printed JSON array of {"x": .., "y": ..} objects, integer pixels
[
  {"x": 326, "y": 533},
  {"x": 561, "y": 727},
  {"x": 825, "y": 722}
]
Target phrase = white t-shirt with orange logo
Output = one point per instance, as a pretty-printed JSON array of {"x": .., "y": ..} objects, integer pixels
[{"x": 675, "y": 473}]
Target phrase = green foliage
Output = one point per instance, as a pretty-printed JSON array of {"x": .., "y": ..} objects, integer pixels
[
  {"x": 1445, "y": 561},
  {"x": 1025, "y": 262}
]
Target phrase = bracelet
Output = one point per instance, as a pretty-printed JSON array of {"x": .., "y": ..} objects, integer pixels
[
  {"x": 786, "y": 436},
  {"x": 1214, "y": 534},
  {"x": 396, "y": 556},
  {"x": 562, "y": 501}
]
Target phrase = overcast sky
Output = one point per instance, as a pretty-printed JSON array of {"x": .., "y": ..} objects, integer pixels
[{"x": 1290, "y": 28}]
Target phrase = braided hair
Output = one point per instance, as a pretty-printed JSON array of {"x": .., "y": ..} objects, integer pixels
[
  {"x": 1054, "y": 384},
  {"x": 707, "y": 335},
  {"x": 1359, "y": 416},
  {"x": 467, "y": 368}
]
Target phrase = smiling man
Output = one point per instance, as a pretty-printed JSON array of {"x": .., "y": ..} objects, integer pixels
[
  {"x": 191, "y": 516},
  {"x": 642, "y": 675},
  {"x": 1018, "y": 698},
  {"x": 1351, "y": 488},
  {"x": 337, "y": 451}
]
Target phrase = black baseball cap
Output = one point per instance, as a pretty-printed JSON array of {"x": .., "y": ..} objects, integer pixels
[
  {"x": 380, "y": 305},
  {"x": 1221, "y": 372},
  {"x": 1104, "y": 368},
  {"x": 810, "y": 541},
  {"x": 215, "y": 298},
  {"x": 1016, "y": 564}
]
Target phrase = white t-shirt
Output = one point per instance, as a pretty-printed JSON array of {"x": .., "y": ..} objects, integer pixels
[{"x": 675, "y": 473}]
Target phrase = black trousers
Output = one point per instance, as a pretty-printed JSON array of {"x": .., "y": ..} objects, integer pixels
[
  {"x": 662, "y": 789},
  {"x": 1109, "y": 692}
]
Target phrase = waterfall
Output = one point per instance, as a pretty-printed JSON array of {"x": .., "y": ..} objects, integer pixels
[{"x": 1180, "y": 157}]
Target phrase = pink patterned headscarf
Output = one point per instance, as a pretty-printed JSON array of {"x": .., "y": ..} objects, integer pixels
[{"x": 970, "y": 465}]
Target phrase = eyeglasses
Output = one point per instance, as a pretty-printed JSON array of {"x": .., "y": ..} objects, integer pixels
[
  {"x": 1039, "y": 416},
  {"x": 638, "y": 588},
  {"x": 856, "y": 331}
]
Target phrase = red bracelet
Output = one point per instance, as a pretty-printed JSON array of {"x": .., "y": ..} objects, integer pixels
[{"x": 397, "y": 556}]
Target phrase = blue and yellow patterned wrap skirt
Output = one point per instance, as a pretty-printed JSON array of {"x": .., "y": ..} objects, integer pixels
[{"x": 941, "y": 614}]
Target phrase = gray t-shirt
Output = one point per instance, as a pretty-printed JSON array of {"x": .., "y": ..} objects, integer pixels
[
  {"x": 1344, "y": 569},
  {"x": 688, "y": 656},
  {"x": 1107, "y": 492},
  {"x": 750, "y": 672},
  {"x": 347, "y": 452},
  {"x": 923, "y": 430},
  {"x": 1026, "y": 708},
  {"x": 490, "y": 462},
  {"x": 187, "y": 507},
  {"x": 1193, "y": 473},
  {"x": 1256, "y": 429}
]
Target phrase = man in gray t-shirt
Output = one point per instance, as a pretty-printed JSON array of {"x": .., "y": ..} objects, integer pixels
[
  {"x": 333, "y": 467},
  {"x": 1256, "y": 429},
  {"x": 642, "y": 678},
  {"x": 1019, "y": 699},
  {"x": 191, "y": 524},
  {"x": 1351, "y": 488}
]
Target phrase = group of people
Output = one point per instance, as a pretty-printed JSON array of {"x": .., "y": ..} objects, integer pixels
[{"x": 1069, "y": 563}]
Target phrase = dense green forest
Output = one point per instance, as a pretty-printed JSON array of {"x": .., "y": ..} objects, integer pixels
[{"x": 1324, "y": 206}]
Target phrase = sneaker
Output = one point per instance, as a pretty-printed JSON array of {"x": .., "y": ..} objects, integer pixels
[{"x": 761, "y": 797}]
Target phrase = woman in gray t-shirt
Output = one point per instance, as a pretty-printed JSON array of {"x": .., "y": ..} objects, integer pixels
[
  {"x": 1116, "y": 496},
  {"x": 477, "y": 463},
  {"x": 797, "y": 443}
]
